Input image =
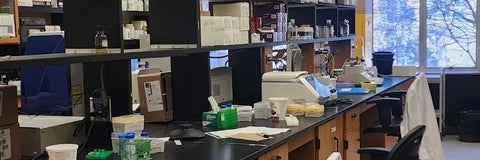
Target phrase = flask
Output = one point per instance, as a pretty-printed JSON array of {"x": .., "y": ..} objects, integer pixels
[
  {"x": 146, "y": 146},
  {"x": 101, "y": 42}
]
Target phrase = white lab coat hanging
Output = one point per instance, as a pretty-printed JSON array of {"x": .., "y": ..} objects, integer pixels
[{"x": 419, "y": 110}]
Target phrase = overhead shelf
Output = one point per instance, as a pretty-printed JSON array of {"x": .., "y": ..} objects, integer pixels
[
  {"x": 37, "y": 9},
  {"x": 50, "y": 59},
  {"x": 320, "y": 5},
  {"x": 136, "y": 13}
]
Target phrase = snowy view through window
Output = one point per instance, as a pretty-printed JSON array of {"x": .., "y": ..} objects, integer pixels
[{"x": 450, "y": 31}]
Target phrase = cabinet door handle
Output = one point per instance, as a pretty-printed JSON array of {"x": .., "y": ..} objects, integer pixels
[
  {"x": 336, "y": 143},
  {"x": 277, "y": 158},
  {"x": 354, "y": 115}
]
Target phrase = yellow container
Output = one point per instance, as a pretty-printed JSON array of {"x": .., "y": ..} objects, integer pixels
[
  {"x": 371, "y": 86},
  {"x": 296, "y": 109},
  {"x": 314, "y": 110}
]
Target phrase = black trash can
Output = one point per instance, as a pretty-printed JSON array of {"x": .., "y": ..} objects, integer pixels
[
  {"x": 468, "y": 125},
  {"x": 384, "y": 61}
]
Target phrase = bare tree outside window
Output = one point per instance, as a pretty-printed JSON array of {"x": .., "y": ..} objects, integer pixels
[
  {"x": 396, "y": 29},
  {"x": 451, "y": 31}
]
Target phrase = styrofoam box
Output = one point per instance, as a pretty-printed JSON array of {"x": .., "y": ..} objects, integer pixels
[
  {"x": 245, "y": 116},
  {"x": 127, "y": 123},
  {"x": 236, "y": 37},
  {"x": 235, "y": 23},
  {"x": 228, "y": 22},
  {"x": 244, "y": 23},
  {"x": 244, "y": 37},
  {"x": 212, "y": 38},
  {"x": 240, "y": 9},
  {"x": 404, "y": 70},
  {"x": 26, "y": 3},
  {"x": 212, "y": 23}
]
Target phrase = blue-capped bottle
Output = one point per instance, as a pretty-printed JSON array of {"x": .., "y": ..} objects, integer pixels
[
  {"x": 121, "y": 146},
  {"x": 130, "y": 148},
  {"x": 146, "y": 145}
]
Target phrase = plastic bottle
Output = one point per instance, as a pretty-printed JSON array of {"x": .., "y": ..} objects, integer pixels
[
  {"x": 121, "y": 146},
  {"x": 146, "y": 145},
  {"x": 229, "y": 105},
  {"x": 223, "y": 107},
  {"x": 101, "y": 41},
  {"x": 291, "y": 34},
  {"x": 130, "y": 148},
  {"x": 347, "y": 27},
  {"x": 331, "y": 28}
]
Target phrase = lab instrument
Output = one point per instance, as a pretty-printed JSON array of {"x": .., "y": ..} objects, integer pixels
[{"x": 295, "y": 86}]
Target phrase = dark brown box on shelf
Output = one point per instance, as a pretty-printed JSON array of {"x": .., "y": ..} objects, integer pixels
[
  {"x": 155, "y": 90},
  {"x": 10, "y": 142},
  {"x": 8, "y": 105}
]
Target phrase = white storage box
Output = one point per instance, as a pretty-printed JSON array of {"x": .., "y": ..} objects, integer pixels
[{"x": 128, "y": 123}]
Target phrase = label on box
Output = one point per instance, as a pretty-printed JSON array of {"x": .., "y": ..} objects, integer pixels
[
  {"x": 5, "y": 144},
  {"x": 153, "y": 96},
  {"x": 1, "y": 102}
]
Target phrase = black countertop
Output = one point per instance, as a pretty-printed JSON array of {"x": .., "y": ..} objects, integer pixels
[
  {"x": 209, "y": 148},
  {"x": 218, "y": 149}
]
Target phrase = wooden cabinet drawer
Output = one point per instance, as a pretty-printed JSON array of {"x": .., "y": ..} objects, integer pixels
[{"x": 280, "y": 153}]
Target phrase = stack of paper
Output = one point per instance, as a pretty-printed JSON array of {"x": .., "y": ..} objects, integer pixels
[{"x": 249, "y": 129}]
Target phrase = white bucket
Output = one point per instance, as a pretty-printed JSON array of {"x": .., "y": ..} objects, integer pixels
[{"x": 62, "y": 152}]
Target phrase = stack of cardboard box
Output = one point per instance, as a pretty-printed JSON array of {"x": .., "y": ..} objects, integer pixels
[{"x": 9, "y": 128}]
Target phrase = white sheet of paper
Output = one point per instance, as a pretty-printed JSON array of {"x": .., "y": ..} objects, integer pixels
[
  {"x": 153, "y": 96},
  {"x": 250, "y": 129},
  {"x": 7, "y": 25},
  {"x": 5, "y": 144}
]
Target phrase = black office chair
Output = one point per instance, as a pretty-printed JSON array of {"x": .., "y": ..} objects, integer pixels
[
  {"x": 397, "y": 111},
  {"x": 385, "y": 123},
  {"x": 406, "y": 149}
]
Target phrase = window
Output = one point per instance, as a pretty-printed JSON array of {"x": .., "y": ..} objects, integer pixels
[{"x": 449, "y": 27}]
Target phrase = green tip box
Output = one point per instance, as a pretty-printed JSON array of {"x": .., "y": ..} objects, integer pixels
[{"x": 223, "y": 119}]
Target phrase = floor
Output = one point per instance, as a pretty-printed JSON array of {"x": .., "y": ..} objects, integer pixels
[{"x": 456, "y": 150}]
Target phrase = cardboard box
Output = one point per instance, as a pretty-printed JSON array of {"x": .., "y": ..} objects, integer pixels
[
  {"x": 240, "y": 9},
  {"x": 8, "y": 105},
  {"x": 42, "y": 131},
  {"x": 10, "y": 142},
  {"x": 155, "y": 96}
]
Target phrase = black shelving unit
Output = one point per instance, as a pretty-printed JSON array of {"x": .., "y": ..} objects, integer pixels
[
  {"x": 189, "y": 66},
  {"x": 136, "y": 13},
  {"x": 37, "y": 9}
]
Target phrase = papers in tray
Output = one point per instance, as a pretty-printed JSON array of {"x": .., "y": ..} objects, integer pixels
[{"x": 249, "y": 129}]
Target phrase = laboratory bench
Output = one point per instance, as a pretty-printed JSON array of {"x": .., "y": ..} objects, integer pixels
[{"x": 314, "y": 138}]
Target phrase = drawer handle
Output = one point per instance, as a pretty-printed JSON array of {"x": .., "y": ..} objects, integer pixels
[
  {"x": 277, "y": 158},
  {"x": 354, "y": 115}
]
